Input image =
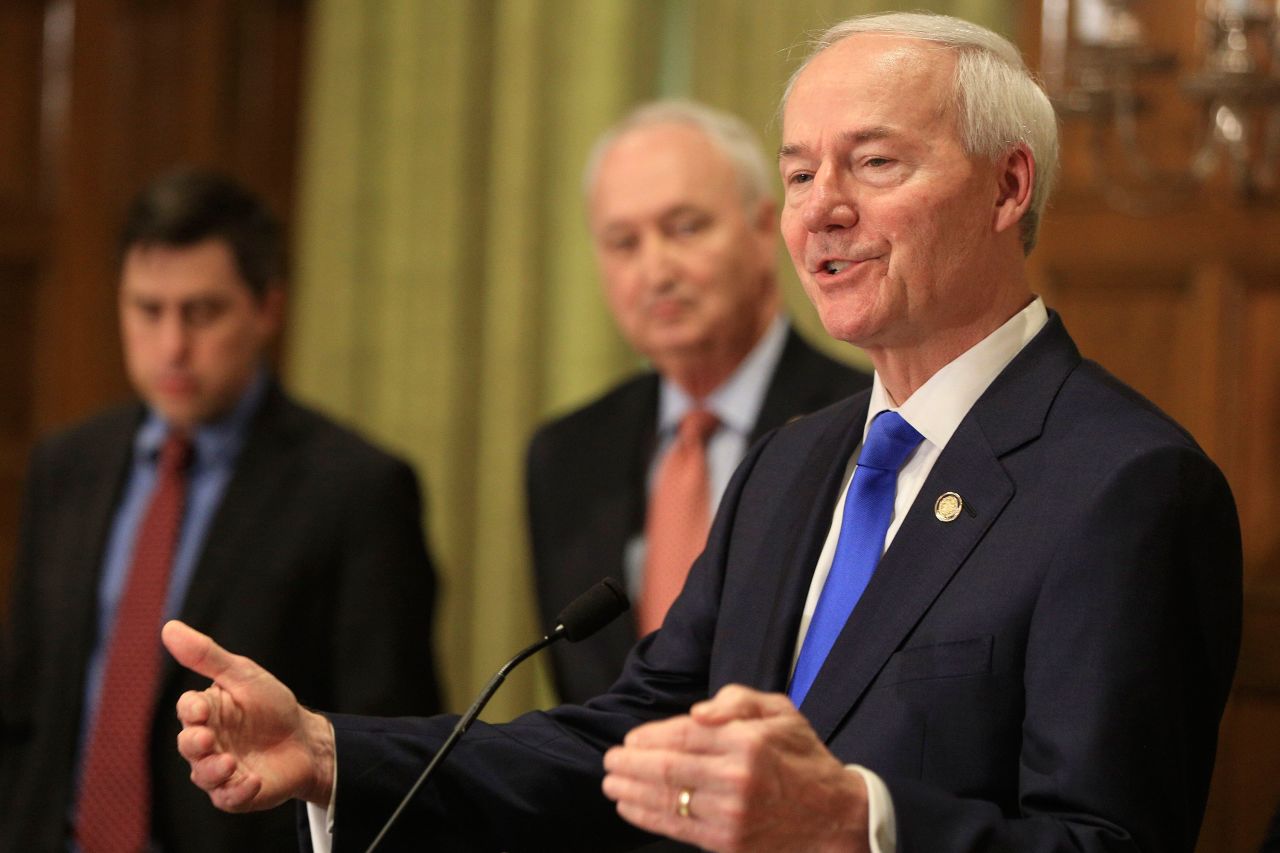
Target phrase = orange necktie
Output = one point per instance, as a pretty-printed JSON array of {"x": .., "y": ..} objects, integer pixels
[
  {"x": 114, "y": 814},
  {"x": 678, "y": 518}
]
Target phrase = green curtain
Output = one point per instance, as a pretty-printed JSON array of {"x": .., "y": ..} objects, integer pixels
[{"x": 444, "y": 299}]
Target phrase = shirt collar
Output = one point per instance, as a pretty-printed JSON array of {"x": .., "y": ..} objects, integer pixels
[
  {"x": 940, "y": 404},
  {"x": 216, "y": 442},
  {"x": 737, "y": 400}
]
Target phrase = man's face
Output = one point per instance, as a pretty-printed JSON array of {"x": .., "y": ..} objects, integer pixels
[
  {"x": 688, "y": 271},
  {"x": 886, "y": 217},
  {"x": 193, "y": 332}
]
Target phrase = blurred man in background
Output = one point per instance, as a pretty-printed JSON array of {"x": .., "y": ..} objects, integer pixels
[
  {"x": 685, "y": 233},
  {"x": 216, "y": 497}
]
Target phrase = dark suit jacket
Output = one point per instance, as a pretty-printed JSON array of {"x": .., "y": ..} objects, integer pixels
[
  {"x": 314, "y": 564},
  {"x": 587, "y": 496},
  {"x": 1044, "y": 673},
  {"x": 1271, "y": 844}
]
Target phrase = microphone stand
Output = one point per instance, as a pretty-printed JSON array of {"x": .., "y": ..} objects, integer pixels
[{"x": 464, "y": 723}]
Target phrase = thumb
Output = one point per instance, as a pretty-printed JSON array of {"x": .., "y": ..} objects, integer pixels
[{"x": 200, "y": 654}]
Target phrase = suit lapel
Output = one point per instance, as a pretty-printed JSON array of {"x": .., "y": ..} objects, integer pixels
[
  {"x": 924, "y": 555},
  {"x": 622, "y": 498},
  {"x": 266, "y": 464},
  {"x": 926, "y": 552},
  {"x": 103, "y": 476},
  {"x": 622, "y": 478},
  {"x": 795, "y": 540}
]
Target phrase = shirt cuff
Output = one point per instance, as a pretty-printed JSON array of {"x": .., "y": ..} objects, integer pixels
[
  {"x": 882, "y": 823},
  {"x": 320, "y": 821}
]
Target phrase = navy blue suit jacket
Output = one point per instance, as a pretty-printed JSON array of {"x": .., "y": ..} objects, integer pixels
[{"x": 1044, "y": 673}]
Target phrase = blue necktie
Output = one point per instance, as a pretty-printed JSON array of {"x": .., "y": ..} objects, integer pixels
[{"x": 867, "y": 511}]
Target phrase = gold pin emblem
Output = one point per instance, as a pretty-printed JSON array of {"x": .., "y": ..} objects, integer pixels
[{"x": 948, "y": 506}]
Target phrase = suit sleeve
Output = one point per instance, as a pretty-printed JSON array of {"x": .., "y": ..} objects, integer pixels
[
  {"x": 1130, "y": 653},
  {"x": 534, "y": 783},
  {"x": 382, "y": 645}
]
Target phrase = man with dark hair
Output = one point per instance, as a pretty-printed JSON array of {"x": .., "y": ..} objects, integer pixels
[{"x": 216, "y": 497}]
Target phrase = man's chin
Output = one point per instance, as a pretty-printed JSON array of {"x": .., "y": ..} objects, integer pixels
[{"x": 180, "y": 414}]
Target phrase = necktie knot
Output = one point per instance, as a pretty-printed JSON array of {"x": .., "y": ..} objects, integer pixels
[
  {"x": 177, "y": 452},
  {"x": 697, "y": 426},
  {"x": 889, "y": 442}
]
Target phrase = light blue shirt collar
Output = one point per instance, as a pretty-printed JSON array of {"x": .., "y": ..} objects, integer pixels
[{"x": 216, "y": 442}]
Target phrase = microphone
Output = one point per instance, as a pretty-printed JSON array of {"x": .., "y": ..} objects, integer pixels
[{"x": 585, "y": 615}]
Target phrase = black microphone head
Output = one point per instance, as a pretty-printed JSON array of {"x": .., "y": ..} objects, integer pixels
[{"x": 592, "y": 610}]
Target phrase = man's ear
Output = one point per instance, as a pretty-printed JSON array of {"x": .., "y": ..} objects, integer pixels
[
  {"x": 273, "y": 305},
  {"x": 766, "y": 224},
  {"x": 1015, "y": 174}
]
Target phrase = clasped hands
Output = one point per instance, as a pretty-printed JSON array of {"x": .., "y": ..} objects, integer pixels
[{"x": 741, "y": 771}]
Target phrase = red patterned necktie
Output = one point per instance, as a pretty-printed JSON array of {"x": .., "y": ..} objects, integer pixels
[
  {"x": 114, "y": 813},
  {"x": 678, "y": 518}
]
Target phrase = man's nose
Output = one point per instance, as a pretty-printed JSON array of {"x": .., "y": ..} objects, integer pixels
[
  {"x": 175, "y": 337},
  {"x": 659, "y": 265},
  {"x": 830, "y": 205}
]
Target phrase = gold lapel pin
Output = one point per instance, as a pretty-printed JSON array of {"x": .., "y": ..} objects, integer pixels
[{"x": 947, "y": 507}]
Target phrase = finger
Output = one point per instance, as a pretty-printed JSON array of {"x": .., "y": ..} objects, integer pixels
[
  {"x": 196, "y": 743},
  {"x": 198, "y": 652},
  {"x": 665, "y": 798},
  {"x": 735, "y": 702},
  {"x": 667, "y": 772},
  {"x": 194, "y": 708},
  {"x": 213, "y": 771},
  {"x": 705, "y": 834},
  {"x": 660, "y": 767},
  {"x": 230, "y": 787},
  {"x": 238, "y": 794}
]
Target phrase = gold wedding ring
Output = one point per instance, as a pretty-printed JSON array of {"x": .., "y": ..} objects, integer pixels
[{"x": 683, "y": 799}]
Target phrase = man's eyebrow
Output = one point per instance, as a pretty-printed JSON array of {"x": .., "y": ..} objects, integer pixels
[{"x": 848, "y": 138}]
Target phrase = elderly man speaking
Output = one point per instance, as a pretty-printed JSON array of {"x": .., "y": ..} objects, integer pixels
[{"x": 992, "y": 604}]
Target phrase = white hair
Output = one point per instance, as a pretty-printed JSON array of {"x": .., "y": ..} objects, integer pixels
[
  {"x": 999, "y": 103},
  {"x": 728, "y": 133}
]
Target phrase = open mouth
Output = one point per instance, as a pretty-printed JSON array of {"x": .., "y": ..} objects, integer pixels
[{"x": 836, "y": 267}]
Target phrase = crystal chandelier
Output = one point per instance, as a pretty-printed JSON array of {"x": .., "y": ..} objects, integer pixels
[{"x": 1098, "y": 67}]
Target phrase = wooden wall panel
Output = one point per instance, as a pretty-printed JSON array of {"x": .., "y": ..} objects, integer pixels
[
  {"x": 1255, "y": 460},
  {"x": 20, "y": 41}
]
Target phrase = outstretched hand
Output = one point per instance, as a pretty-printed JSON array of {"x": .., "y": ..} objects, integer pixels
[
  {"x": 250, "y": 745},
  {"x": 743, "y": 771}
]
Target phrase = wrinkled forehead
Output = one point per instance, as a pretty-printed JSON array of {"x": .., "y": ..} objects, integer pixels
[
  {"x": 887, "y": 76},
  {"x": 649, "y": 169}
]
